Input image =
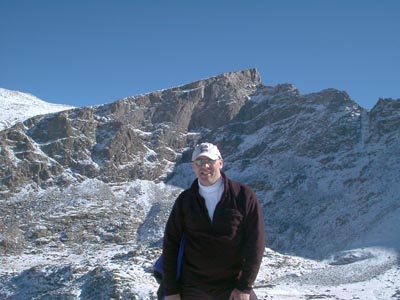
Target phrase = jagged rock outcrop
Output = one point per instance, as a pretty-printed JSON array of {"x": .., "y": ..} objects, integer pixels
[{"x": 136, "y": 137}]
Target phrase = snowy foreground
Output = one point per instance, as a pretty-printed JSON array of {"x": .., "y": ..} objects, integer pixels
[
  {"x": 99, "y": 269},
  {"x": 370, "y": 273}
]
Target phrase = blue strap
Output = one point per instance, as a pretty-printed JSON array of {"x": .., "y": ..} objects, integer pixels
[
  {"x": 180, "y": 256},
  {"x": 158, "y": 264}
]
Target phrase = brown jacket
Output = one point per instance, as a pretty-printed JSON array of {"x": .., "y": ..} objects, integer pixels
[{"x": 226, "y": 251}]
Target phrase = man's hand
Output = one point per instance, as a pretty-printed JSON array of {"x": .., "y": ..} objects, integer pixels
[
  {"x": 173, "y": 297},
  {"x": 238, "y": 295}
]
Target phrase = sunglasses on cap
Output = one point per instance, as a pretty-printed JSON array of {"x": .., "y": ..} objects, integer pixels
[{"x": 200, "y": 161}]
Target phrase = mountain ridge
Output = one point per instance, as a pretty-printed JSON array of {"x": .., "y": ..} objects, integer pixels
[{"x": 325, "y": 169}]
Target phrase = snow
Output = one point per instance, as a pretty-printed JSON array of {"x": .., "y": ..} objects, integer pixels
[
  {"x": 188, "y": 90},
  {"x": 17, "y": 107},
  {"x": 371, "y": 274},
  {"x": 374, "y": 277}
]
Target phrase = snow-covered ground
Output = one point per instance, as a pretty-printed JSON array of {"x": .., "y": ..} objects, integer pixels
[
  {"x": 94, "y": 269},
  {"x": 367, "y": 274}
]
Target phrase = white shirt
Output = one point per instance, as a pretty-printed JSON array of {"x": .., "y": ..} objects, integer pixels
[{"x": 212, "y": 194}]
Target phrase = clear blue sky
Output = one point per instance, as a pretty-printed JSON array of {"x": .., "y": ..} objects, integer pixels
[{"x": 88, "y": 52}]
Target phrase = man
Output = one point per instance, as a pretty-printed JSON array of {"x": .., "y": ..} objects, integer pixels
[{"x": 224, "y": 235}]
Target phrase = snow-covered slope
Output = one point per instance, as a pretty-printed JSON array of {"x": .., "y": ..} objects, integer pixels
[
  {"x": 98, "y": 269},
  {"x": 16, "y": 107}
]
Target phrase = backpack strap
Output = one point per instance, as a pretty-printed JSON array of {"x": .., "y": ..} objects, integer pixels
[
  {"x": 158, "y": 265},
  {"x": 180, "y": 256}
]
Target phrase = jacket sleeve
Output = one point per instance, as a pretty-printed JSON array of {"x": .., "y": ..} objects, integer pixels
[
  {"x": 254, "y": 242},
  {"x": 172, "y": 237}
]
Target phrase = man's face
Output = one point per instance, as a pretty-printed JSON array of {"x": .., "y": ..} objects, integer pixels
[{"x": 207, "y": 171}]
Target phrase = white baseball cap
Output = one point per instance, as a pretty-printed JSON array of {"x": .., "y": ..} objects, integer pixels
[{"x": 206, "y": 149}]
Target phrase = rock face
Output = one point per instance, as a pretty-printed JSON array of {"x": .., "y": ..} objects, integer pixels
[
  {"x": 136, "y": 137},
  {"x": 324, "y": 168}
]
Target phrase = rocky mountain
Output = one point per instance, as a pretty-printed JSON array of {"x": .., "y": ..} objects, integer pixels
[
  {"x": 99, "y": 181},
  {"x": 134, "y": 138}
]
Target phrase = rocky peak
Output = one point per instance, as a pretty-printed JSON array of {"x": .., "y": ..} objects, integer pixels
[{"x": 135, "y": 137}]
